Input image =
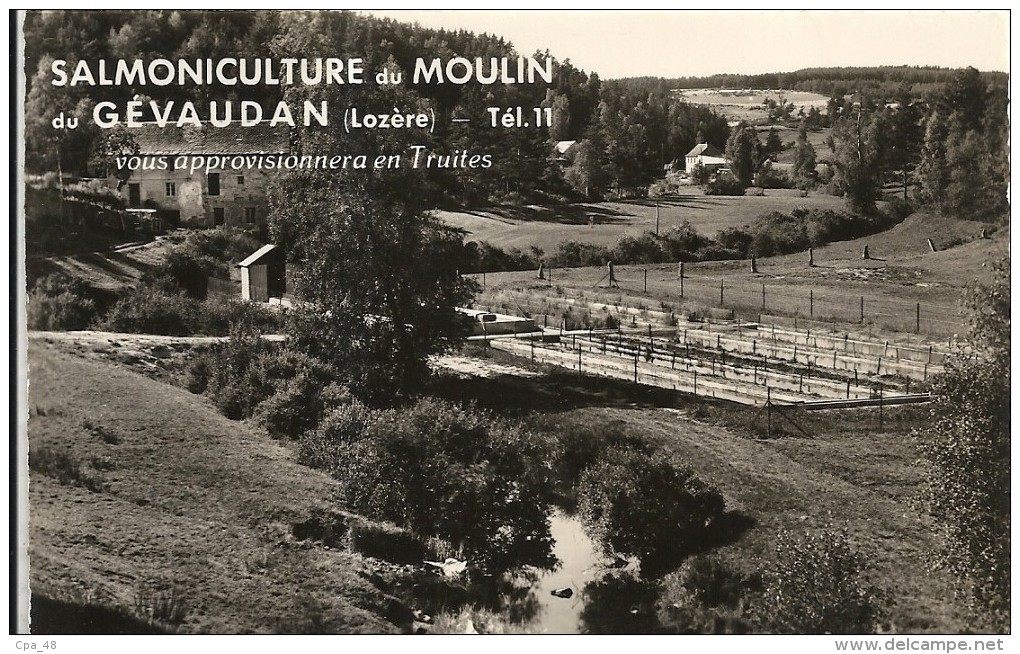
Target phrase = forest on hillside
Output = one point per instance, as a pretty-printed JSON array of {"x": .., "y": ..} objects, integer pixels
[{"x": 919, "y": 124}]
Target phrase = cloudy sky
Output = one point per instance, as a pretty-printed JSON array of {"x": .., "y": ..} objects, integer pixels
[{"x": 671, "y": 43}]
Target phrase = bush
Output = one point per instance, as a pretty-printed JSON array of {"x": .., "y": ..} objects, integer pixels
[
  {"x": 445, "y": 472},
  {"x": 724, "y": 185},
  {"x": 579, "y": 446},
  {"x": 248, "y": 370},
  {"x": 59, "y": 302},
  {"x": 188, "y": 272},
  {"x": 706, "y": 597},
  {"x": 816, "y": 586},
  {"x": 636, "y": 504},
  {"x": 297, "y": 406},
  {"x": 223, "y": 244},
  {"x": 620, "y": 604},
  {"x": 64, "y": 467},
  {"x": 324, "y": 447},
  {"x": 387, "y": 542},
  {"x": 153, "y": 310}
]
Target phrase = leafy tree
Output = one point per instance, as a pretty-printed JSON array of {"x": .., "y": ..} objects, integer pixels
[
  {"x": 816, "y": 585},
  {"x": 965, "y": 94},
  {"x": 804, "y": 162},
  {"x": 967, "y": 446},
  {"x": 586, "y": 174},
  {"x": 856, "y": 158},
  {"x": 744, "y": 151},
  {"x": 643, "y": 505},
  {"x": 933, "y": 171},
  {"x": 379, "y": 283},
  {"x": 117, "y": 143}
]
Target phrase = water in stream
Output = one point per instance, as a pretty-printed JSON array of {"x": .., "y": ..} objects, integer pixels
[{"x": 580, "y": 563}]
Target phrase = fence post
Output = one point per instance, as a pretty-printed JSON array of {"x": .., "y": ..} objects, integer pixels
[
  {"x": 811, "y": 303},
  {"x": 881, "y": 397},
  {"x": 762, "y": 299},
  {"x": 681, "y": 279},
  {"x": 646, "y": 280},
  {"x": 917, "y": 329}
]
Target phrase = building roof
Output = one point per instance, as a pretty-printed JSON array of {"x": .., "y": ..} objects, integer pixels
[
  {"x": 563, "y": 146},
  {"x": 706, "y": 150},
  {"x": 209, "y": 139},
  {"x": 254, "y": 257}
]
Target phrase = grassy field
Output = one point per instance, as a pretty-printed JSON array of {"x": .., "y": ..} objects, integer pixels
[
  {"x": 748, "y": 105},
  {"x": 152, "y": 500},
  {"x": 547, "y": 227},
  {"x": 902, "y": 273}
]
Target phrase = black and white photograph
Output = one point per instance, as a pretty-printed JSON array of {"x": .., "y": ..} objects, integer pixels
[{"x": 519, "y": 322}]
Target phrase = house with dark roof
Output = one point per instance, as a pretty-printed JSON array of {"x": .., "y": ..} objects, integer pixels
[
  {"x": 703, "y": 154},
  {"x": 174, "y": 177}
]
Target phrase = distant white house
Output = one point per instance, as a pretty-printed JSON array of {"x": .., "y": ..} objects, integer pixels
[
  {"x": 703, "y": 154},
  {"x": 563, "y": 149}
]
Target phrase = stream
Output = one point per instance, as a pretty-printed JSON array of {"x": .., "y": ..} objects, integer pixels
[{"x": 580, "y": 563}]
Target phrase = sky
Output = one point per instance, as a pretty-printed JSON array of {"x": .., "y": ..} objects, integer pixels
[{"x": 674, "y": 43}]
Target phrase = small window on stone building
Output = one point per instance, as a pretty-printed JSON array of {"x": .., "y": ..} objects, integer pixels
[
  {"x": 218, "y": 215},
  {"x": 249, "y": 215},
  {"x": 171, "y": 189},
  {"x": 214, "y": 183},
  {"x": 240, "y": 180}
]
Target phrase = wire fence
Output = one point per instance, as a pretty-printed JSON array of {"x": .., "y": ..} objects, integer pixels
[{"x": 761, "y": 298}]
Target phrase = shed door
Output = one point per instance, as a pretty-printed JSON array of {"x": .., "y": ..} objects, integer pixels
[{"x": 259, "y": 283}]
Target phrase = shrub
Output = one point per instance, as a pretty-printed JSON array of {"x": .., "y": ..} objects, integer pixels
[
  {"x": 620, "y": 604},
  {"x": 706, "y": 597},
  {"x": 247, "y": 370},
  {"x": 440, "y": 470},
  {"x": 188, "y": 272},
  {"x": 579, "y": 446},
  {"x": 736, "y": 238},
  {"x": 724, "y": 185},
  {"x": 59, "y": 302},
  {"x": 297, "y": 405},
  {"x": 63, "y": 467},
  {"x": 224, "y": 244},
  {"x": 339, "y": 430},
  {"x": 643, "y": 505},
  {"x": 571, "y": 254},
  {"x": 816, "y": 585},
  {"x": 153, "y": 310},
  {"x": 387, "y": 542}
]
